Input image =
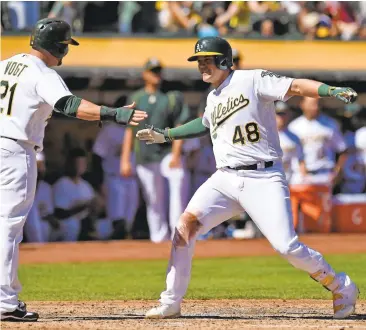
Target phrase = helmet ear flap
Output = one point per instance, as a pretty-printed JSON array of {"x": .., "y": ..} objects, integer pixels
[{"x": 222, "y": 62}]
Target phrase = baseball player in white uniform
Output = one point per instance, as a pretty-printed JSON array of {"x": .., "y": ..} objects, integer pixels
[
  {"x": 311, "y": 194},
  {"x": 292, "y": 152},
  {"x": 240, "y": 118},
  {"x": 321, "y": 140},
  {"x": 30, "y": 90},
  {"x": 122, "y": 193}
]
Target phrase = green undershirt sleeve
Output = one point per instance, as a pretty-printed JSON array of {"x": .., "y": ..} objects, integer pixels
[
  {"x": 68, "y": 105},
  {"x": 192, "y": 129}
]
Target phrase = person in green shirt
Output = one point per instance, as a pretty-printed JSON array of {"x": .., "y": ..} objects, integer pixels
[{"x": 154, "y": 164}]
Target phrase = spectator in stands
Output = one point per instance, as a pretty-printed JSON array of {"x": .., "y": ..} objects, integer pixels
[
  {"x": 41, "y": 225},
  {"x": 65, "y": 10},
  {"x": 206, "y": 28},
  {"x": 235, "y": 19},
  {"x": 344, "y": 18},
  {"x": 321, "y": 140},
  {"x": 178, "y": 15},
  {"x": 314, "y": 21},
  {"x": 270, "y": 18},
  {"x": 101, "y": 16},
  {"x": 145, "y": 20},
  {"x": 74, "y": 199}
]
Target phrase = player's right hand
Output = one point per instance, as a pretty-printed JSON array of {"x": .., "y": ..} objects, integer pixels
[
  {"x": 151, "y": 135},
  {"x": 128, "y": 115},
  {"x": 126, "y": 169},
  {"x": 345, "y": 94},
  {"x": 137, "y": 116}
]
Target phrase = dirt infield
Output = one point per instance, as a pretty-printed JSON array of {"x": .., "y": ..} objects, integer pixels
[{"x": 209, "y": 314}]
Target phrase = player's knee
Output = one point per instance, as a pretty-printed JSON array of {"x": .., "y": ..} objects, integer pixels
[
  {"x": 287, "y": 249},
  {"x": 186, "y": 229}
]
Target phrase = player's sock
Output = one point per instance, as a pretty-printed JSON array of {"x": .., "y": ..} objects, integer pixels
[{"x": 328, "y": 278}]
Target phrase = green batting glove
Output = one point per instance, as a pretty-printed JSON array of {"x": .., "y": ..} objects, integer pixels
[{"x": 345, "y": 94}]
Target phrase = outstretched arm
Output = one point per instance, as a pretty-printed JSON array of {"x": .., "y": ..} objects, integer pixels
[
  {"x": 77, "y": 107},
  {"x": 316, "y": 89},
  {"x": 192, "y": 129},
  {"x": 53, "y": 90}
]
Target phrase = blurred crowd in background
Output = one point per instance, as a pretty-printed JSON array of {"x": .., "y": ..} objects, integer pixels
[{"x": 266, "y": 19}]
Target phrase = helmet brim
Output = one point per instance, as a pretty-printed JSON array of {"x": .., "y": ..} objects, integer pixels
[
  {"x": 70, "y": 42},
  {"x": 195, "y": 56}
]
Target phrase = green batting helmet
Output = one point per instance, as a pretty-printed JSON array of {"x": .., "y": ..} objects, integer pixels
[
  {"x": 217, "y": 47},
  {"x": 52, "y": 35}
]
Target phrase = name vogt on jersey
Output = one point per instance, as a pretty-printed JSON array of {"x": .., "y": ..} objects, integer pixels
[
  {"x": 14, "y": 68},
  {"x": 221, "y": 112}
]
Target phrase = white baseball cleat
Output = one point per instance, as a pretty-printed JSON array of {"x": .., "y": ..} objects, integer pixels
[
  {"x": 344, "y": 300},
  {"x": 164, "y": 312}
]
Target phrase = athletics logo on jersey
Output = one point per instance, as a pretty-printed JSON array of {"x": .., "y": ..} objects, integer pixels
[
  {"x": 271, "y": 74},
  {"x": 222, "y": 112}
]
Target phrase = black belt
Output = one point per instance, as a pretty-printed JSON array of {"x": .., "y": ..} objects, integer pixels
[
  {"x": 251, "y": 167},
  {"x": 6, "y": 137},
  {"x": 323, "y": 170}
]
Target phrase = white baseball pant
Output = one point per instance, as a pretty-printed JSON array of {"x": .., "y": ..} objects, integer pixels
[
  {"x": 152, "y": 184},
  {"x": 18, "y": 177},
  {"x": 264, "y": 194}
]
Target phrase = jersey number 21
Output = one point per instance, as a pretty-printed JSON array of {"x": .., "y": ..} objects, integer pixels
[{"x": 4, "y": 85}]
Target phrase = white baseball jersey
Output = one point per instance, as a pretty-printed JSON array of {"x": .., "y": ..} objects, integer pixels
[
  {"x": 241, "y": 116},
  {"x": 107, "y": 145},
  {"x": 291, "y": 149},
  {"x": 29, "y": 91},
  {"x": 321, "y": 140}
]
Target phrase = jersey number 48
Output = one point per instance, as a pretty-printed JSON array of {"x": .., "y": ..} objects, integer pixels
[
  {"x": 4, "y": 88},
  {"x": 248, "y": 132}
]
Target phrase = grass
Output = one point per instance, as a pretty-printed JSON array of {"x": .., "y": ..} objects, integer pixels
[{"x": 249, "y": 278}]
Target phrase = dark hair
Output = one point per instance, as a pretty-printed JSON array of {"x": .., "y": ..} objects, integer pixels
[{"x": 70, "y": 165}]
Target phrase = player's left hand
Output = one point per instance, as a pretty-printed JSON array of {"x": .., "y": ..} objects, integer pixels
[
  {"x": 151, "y": 135},
  {"x": 345, "y": 94}
]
